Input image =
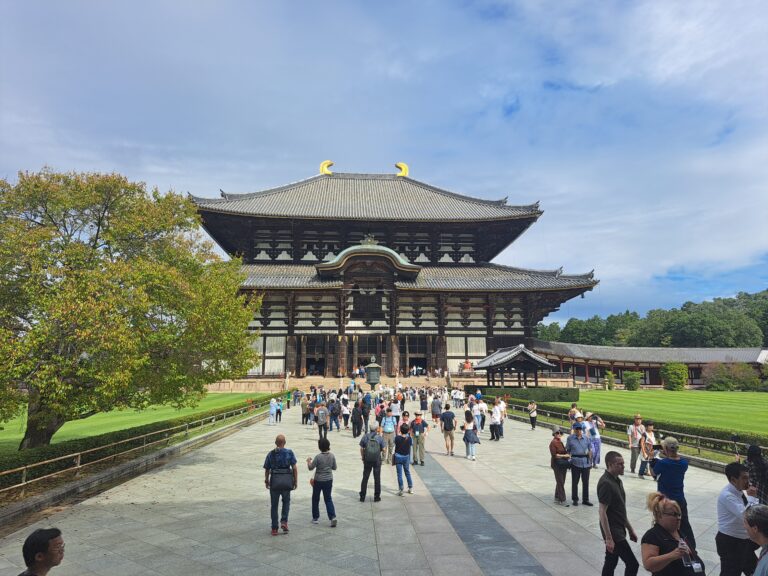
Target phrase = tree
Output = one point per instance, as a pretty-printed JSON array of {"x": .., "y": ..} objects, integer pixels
[
  {"x": 588, "y": 331},
  {"x": 716, "y": 377},
  {"x": 632, "y": 380},
  {"x": 549, "y": 332},
  {"x": 109, "y": 299},
  {"x": 744, "y": 377},
  {"x": 610, "y": 380},
  {"x": 674, "y": 376}
]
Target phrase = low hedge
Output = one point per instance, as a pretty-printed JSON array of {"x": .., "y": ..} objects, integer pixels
[
  {"x": 669, "y": 427},
  {"x": 42, "y": 453},
  {"x": 537, "y": 393}
]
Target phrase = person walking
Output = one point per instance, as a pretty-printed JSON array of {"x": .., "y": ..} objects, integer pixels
[
  {"x": 669, "y": 473},
  {"x": 495, "y": 421},
  {"x": 594, "y": 424},
  {"x": 279, "y": 411},
  {"x": 436, "y": 407},
  {"x": 403, "y": 444},
  {"x": 756, "y": 523},
  {"x": 345, "y": 412},
  {"x": 322, "y": 415},
  {"x": 272, "y": 412},
  {"x": 357, "y": 419},
  {"x": 665, "y": 548},
  {"x": 419, "y": 430},
  {"x": 734, "y": 547},
  {"x": 371, "y": 448},
  {"x": 647, "y": 450},
  {"x": 580, "y": 450},
  {"x": 447, "y": 427},
  {"x": 635, "y": 431},
  {"x": 471, "y": 439},
  {"x": 334, "y": 409},
  {"x": 280, "y": 477},
  {"x": 389, "y": 430},
  {"x": 559, "y": 462},
  {"x": 614, "y": 523},
  {"x": 532, "y": 413},
  {"x": 323, "y": 464},
  {"x": 304, "y": 410}
]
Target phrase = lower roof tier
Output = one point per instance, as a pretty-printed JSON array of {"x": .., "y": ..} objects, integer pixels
[{"x": 480, "y": 277}]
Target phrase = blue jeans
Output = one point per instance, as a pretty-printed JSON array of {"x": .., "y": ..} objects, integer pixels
[
  {"x": 478, "y": 421},
  {"x": 402, "y": 463},
  {"x": 325, "y": 488},
  {"x": 275, "y": 496},
  {"x": 336, "y": 420}
]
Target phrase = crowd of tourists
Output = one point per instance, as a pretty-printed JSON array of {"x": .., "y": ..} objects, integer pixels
[
  {"x": 392, "y": 425},
  {"x": 669, "y": 547}
]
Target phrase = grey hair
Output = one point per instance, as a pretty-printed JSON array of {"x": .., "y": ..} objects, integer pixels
[
  {"x": 670, "y": 443},
  {"x": 757, "y": 517}
]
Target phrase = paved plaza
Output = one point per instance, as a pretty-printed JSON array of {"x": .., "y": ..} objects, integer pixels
[{"x": 208, "y": 513}]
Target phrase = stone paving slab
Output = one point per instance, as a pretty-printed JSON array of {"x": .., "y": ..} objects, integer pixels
[{"x": 208, "y": 513}]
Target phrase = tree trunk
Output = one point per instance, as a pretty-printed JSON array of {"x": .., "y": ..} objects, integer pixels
[{"x": 42, "y": 423}]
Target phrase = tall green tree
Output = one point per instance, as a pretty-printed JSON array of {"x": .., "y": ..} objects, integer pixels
[
  {"x": 109, "y": 298},
  {"x": 549, "y": 332}
]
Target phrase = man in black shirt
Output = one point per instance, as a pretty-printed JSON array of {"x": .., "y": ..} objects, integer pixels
[
  {"x": 42, "y": 550},
  {"x": 613, "y": 518}
]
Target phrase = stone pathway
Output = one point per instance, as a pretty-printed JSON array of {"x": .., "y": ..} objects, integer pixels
[{"x": 208, "y": 513}]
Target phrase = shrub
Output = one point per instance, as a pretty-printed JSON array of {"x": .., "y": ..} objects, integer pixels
[
  {"x": 720, "y": 377},
  {"x": 716, "y": 377},
  {"x": 674, "y": 376},
  {"x": 538, "y": 393},
  {"x": 632, "y": 380},
  {"x": 610, "y": 380}
]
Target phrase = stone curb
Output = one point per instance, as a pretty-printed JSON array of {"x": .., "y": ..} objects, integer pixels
[{"x": 124, "y": 471}]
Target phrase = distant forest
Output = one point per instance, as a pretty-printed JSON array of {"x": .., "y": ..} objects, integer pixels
[{"x": 724, "y": 322}]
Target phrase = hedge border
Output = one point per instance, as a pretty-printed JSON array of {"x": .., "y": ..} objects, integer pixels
[
  {"x": 537, "y": 393},
  {"x": 43, "y": 453}
]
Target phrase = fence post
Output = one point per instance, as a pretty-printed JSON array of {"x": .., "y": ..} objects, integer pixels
[
  {"x": 698, "y": 445},
  {"x": 143, "y": 444},
  {"x": 77, "y": 464},
  {"x": 186, "y": 430}
]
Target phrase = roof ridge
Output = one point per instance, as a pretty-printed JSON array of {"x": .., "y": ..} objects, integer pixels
[
  {"x": 718, "y": 348},
  {"x": 534, "y": 207},
  {"x": 557, "y": 273}
]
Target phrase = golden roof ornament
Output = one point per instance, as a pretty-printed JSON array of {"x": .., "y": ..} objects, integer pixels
[
  {"x": 403, "y": 167},
  {"x": 325, "y": 166},
  {"x": 368, "y": 240}
]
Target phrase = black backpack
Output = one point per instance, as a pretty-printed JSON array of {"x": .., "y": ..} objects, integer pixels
[{"x": 372, "y": 450}]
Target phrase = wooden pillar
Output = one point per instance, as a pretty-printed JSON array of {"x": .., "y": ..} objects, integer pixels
[
  {"x": 430, "y": 363},
  {"x": 393, "y": 350},
  {"x": 502, "y": 376},
  {"x": 341, "y": 355},
  {"x": 586, "y": 371},
  {"x": 407, "y": 356},
  {"x": 442, "y": 353},
  {"x": 355, "y": 359},
  {"x": 290, "y": 355},
  {"x": 488, "y": 377},
  {"x": 303, "y": 365},
  {"x": 328, "y": 372},
  {"x": 379, "y": 357},
  {"x": 525, "y": 378},
  {"x": 561, "y": 364},
  {"x": 536, "y": 377},
  {"x": 519, "y": 380}
]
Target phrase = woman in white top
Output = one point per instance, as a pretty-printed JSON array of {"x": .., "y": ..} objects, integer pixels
[{"x": 647, "y": 450}]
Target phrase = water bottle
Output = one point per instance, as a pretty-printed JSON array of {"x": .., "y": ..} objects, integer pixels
[{"x": 686, "y": 557}]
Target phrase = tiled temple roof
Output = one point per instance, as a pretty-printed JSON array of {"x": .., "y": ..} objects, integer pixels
[
  {"x": 475, "y": 277},
  {"x": 365, "y": 197},
  {"x": 628, "y": 354}
]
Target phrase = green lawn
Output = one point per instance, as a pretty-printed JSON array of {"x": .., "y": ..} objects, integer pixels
[
  {"x": 13, "y": 430},
  {"x": 732, "y": 411}
]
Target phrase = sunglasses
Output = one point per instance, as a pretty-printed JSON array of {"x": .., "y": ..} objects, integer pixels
[{"x": 675, "y": 514}]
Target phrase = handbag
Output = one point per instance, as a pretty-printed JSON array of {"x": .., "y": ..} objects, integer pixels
[{"x": 563, "y": 462}]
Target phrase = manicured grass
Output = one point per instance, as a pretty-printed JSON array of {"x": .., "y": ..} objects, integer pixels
[
  {"x": 13, "y": 431},
  {"x": 731, "y": 411}
]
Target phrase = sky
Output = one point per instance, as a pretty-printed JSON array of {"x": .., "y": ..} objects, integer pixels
[{"x": 641, "y": 127}]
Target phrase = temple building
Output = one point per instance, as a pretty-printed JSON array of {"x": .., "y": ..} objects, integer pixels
[{"x": 352, "y": 266}]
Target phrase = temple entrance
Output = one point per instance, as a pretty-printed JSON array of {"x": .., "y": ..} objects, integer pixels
[
  {"x": 414, "y": 354},
  {"x": 315, "y": 360}
]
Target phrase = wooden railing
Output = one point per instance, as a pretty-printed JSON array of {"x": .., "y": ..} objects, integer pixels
[{"x": 78, "y": 461}]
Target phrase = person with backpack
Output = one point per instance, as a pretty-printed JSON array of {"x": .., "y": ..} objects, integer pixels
[
  {"x": 389, "y": 427},
  {"x": 447, "y": 427},
  {"x": 323, "y": 464},
  {"x": 334, "y": 408},
  {"x": 280, "y": 477},
  {"x": 403, "y": 443},
  {"x": 322, "y": 415},
  {"x": 371, "y": 447}
]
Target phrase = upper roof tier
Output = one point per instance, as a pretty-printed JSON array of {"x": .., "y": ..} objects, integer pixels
[{"x": 341, "y": 196}]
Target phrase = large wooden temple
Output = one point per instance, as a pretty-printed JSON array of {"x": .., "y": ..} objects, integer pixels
[{"x": 358, "y": 265}]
